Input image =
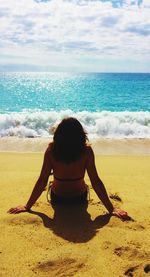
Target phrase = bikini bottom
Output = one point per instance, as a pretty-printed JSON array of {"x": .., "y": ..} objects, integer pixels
[{"x": 80, "y": 199}]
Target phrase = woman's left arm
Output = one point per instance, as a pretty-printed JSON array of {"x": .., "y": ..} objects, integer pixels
[{"x": 39, "y": 186}]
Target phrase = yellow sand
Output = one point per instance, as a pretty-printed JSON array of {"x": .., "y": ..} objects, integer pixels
[{"x": 75, "y": 242}]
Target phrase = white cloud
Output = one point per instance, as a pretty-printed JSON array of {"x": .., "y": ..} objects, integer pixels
[{"x": 68, "y": 33}]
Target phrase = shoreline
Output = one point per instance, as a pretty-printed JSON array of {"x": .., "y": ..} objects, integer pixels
[{"x": 100, "y": 146}]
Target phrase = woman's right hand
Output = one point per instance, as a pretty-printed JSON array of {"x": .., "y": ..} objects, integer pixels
[
  {"x": 18, "y": 209},
  {"x": 120, "y": 213}
]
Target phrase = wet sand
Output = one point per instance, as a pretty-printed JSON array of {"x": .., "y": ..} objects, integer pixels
[{"x": 101, "y": 146}]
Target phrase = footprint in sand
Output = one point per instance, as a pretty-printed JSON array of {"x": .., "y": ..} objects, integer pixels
[
  {"x": 60, "y": 267},
  {"x": 132, "y": 252},
  {"x": 138, "y": 227},
  {"x": 106, "y": 244},
  {"x": 23, "y": 221},
  {"x": 119, "y": 251},
  {"x": 147, "y": 268},
  {"x": 135, "y": 226},
  {"x": 130, "y": 271}
]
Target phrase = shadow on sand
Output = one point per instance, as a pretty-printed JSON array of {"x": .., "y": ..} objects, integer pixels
[{"x": 73, "y": 223}]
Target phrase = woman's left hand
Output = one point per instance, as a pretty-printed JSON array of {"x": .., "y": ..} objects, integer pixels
[
  {"x": 120, "y": 213},
  {"x": 17, "y": 210}
]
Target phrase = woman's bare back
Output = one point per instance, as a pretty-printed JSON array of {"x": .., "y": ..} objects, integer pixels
[{"x": 68, "y": 179}]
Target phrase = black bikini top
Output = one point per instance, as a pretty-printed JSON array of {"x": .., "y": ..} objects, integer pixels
[{"x": 68, "y": 180}]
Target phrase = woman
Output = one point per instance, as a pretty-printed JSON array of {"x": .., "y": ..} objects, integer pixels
[{"x": 69, "y": 156}]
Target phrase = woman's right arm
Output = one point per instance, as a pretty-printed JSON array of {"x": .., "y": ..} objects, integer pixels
[
  {"x": 99, "y": 187},
  {"x": 38, "y": 188}
]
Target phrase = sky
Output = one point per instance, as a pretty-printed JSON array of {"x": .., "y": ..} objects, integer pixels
[{"x": 75, "y": 35}]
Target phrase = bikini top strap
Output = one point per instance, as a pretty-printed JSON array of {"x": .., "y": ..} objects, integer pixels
[{"x": 68, "y": 180}]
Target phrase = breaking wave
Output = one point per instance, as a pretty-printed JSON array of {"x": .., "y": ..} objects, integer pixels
[{"x": 103, "y": 124}]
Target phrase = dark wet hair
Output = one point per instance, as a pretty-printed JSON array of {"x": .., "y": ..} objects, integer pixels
[{"x": 69, "y": 141}]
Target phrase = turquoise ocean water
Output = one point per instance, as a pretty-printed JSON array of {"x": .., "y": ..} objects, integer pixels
[{"x": 109, "y": 105}]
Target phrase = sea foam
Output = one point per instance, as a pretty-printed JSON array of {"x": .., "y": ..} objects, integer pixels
[{"x": 103, "y": 124}]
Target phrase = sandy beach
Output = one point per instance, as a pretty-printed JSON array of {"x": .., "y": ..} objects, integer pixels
[{"x": 76, "y": 242}]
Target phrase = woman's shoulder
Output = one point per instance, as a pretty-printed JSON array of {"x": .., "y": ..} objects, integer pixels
[
  {"x": 89, "y": 151},
  {"x": 49, "y": 149}
]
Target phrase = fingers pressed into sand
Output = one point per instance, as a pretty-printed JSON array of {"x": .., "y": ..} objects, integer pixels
[
  {"x": 18, "y": 209},
  {"x": 120, "y": 213}
]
